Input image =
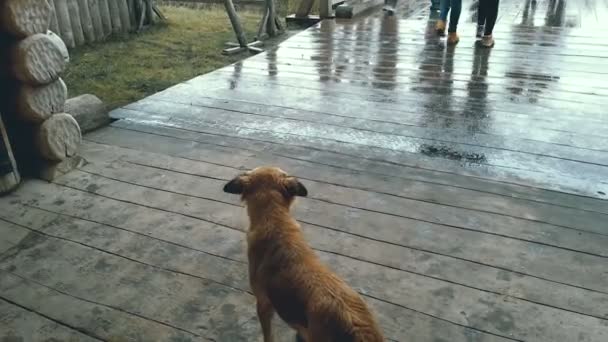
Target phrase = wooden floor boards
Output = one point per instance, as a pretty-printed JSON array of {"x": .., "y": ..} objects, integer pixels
[{"x": 461, "y": 191}]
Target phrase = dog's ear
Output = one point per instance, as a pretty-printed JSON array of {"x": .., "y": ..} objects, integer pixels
[
  {"x": 295, "y": 188},
  {"x": 235, "y": 186}
]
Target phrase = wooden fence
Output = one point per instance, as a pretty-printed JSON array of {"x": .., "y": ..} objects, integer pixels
[{"x": 79, "y": 22}]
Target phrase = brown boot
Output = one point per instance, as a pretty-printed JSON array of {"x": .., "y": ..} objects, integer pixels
[
  {"x": 453, "y": 38},
  {"x": 440, "y": 27}
]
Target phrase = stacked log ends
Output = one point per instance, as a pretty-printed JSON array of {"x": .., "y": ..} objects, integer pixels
[
  {"x": 25, "y": 17},
  {"x": 60, "y": 44},
  {"x": 36, "y": 104},
  {"x": 44, "y": 137},
  {"x": 58, "y": 137},
  {"x": 38, "y": 59}
]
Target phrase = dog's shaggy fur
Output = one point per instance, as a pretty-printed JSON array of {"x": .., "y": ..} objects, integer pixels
[{"x": 285, "y": 274}]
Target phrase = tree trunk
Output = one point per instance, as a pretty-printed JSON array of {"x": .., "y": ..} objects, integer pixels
[
  {"x": 58, "y": 137},
  {"x": 36, "y": 104},
  {"x": 76, "y": 23},
  {"x": 64, "y": 23},
  {"x": 24, "y": 18},
  {"x": 38, "y": 59}
]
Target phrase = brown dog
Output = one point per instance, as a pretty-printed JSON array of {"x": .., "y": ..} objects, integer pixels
[{"x": 285, "y": 274}]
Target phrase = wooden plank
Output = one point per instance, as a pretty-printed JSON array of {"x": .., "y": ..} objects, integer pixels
[
  {"x": 513, "y": 253},
  {"x": 185, "y": 303},
  {"x": 383, "y": 73},
  {"x": 385, "y": 99},
  {"x": 512, "y": 128},
  {"x": 398, "y": 321},
  {"x": 191, "y": 112},
  {"x": 79, "y": 312},
  {"x": 20, "y": 324},
  {"x": 524, "y": 319},
  {"x": 294, "y": 157},
  {"x": 545, "y": 172},
  {"x": 458, "y": 262},
  {"x": 336, "y": 181},
  {"x": 10, "y": 235}
]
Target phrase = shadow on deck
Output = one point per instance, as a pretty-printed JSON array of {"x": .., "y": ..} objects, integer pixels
[{"x": 461, "y": 190}]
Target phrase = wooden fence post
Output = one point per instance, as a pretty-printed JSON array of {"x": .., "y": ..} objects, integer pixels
[
  {"x": 76, "y": 24},
  {"x": 104, "y": 13},
  {"x": 96, "y": 19},
  {"x": 86, "y": 21}
]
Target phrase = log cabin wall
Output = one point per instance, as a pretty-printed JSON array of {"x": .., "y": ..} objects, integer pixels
[{"x": 38, "y": 138}]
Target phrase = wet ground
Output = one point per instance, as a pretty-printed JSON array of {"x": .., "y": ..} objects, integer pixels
[{"x": 461, "y": 190}]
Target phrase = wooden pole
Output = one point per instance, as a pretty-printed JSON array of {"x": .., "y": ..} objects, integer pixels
[
  {"x": 104, "y": 13},
  {"x": 76, "y": 23},
  {"x": 115, "y": 16},
  {"x": 96, "y": 20},
  {"x": 304, "y": 8},
  {"x": 53, "y": 25},
  {"x": 271, "y": 25},
  {"x": 236, "y": 23},
  {"x": 86, "y": 21},
  {"x": 132, "y": 14},
  {"x": 123, "y": 10},
  {"x": 9, "y": 176},
  {"x": 64, "y": 23}
]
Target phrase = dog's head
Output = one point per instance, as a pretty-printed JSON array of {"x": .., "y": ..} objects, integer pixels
[{"x": 264, "y": 182}]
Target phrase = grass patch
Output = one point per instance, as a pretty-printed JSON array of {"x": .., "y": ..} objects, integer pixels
[{"x": 131, "y": 67}]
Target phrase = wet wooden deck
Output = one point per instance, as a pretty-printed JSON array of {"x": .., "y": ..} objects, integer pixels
[{"x": 462, "y": 191}]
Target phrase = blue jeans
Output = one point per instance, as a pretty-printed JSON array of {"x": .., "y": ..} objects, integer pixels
[{"x": 454, "y": 7}]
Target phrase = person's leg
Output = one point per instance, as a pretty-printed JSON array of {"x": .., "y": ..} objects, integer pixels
[
  {"x": 491, "y": 16},
  {"x": 443, "y": 16},
  {"x": 434, "y": 5},
  {"x": 456, "y": 7},
  {"x": 444, "y": 8},
  {"x": 481, "y": 17}
]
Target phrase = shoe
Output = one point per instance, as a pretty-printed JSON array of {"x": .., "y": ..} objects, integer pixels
[
  {"x": 440, "y": 27},
  {"x": 480, "y": 29},
  {"x": 487, "y": 41},
  {"x": 453, "y": 38}
]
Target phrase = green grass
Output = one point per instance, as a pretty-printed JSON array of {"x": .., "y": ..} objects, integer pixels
[{"x": 131, "y": 67}]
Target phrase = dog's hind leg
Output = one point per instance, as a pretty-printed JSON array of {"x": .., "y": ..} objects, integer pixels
[{"x": 265, "y": 313}]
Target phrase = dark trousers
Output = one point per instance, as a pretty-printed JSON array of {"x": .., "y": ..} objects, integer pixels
[{"x": 487, "y": 15}]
